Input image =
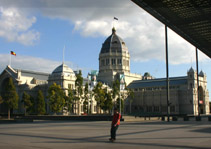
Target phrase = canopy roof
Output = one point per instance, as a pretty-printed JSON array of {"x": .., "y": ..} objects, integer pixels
[{"x": 191, "y": 19}]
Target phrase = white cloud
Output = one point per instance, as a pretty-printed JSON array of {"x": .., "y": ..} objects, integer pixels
[
  {"x": 143, "y": 34},
  {"x": 15, "y": 26}
]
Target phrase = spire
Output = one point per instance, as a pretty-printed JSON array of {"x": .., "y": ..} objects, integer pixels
[
  {"x": 201, "y": 73},
  {"x": 191, "y": 69}
]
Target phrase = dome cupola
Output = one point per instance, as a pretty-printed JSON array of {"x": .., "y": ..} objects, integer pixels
[
  {"x": 63, "y": 69},
  {"x": 113, "y": 58},
  {"x": 114, "y": 44},
  {"x": 63, "y": 76}
]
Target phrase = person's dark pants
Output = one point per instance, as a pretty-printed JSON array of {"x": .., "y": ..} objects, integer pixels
[{"x": 113, "y": 131}]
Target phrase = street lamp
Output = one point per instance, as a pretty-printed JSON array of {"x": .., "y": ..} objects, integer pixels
[{"x": 122, "y": 87}]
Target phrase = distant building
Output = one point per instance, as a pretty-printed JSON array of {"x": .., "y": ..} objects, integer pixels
[
  {"x": 31, "y": 82},
  {"x": 114, "y": 63},
  {"x": 150, "y": 95},
  {"x": 24, "y": 80}
]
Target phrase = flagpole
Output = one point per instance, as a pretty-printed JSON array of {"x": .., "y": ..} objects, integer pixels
[
  {"x": 63, "y": 53},
  {"x": 10, "y": 61},
  {"x": 115, "y": 18}
]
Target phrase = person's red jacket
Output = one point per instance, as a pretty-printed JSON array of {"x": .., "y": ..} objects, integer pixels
[{"x": 116, "y": 119}]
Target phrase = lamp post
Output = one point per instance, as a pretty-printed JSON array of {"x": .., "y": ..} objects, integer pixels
[{"x": 122, "y": 87}]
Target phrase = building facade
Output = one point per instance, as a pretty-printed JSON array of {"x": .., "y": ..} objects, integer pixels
[
  {"x": 151, "y": 95},
  {"x": 31, "y": 82},
  {"x": 24, "y": 80}
]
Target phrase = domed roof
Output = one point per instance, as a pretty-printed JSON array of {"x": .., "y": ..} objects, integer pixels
[
  {"x": 147, "y": 74},
  {"x": 114, "y": 44},
  {"x": 63, "y": 68}
]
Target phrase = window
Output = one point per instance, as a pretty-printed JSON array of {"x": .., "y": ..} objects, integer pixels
[
  {"x": 113, "y": 61},
  {"x": 119, "y": 61},
  {"x": 107, "y": 61},
  {"x": 156, "y": 109},
  {"x": 191, "y": 85},
  {"x": 102, "y": 62},
  {"x": 70, "y": 86},
  {"x": 127, "y": 63},
  {"x": 82, "y": 109},
  {"x": 172, "y": 108},
  {"x": 164, "y": 108},
  {"x": 95, "y": 108},
  {"x": 149, "y": 109}
]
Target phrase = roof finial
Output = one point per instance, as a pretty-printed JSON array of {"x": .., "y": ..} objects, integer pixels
[{"x": 113, "y": 30}]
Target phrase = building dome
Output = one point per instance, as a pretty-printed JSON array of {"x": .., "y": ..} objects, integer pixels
[
  {"x": 63, "y": 76},
  {"x": 114, "y": 44},
  {"x": 63, "y": 69},
  {"x": 147, "y": 74},
  {"x": 114, "y": 58}
]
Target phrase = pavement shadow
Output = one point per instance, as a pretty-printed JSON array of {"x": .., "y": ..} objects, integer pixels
[{"x": 102, "y": 140}]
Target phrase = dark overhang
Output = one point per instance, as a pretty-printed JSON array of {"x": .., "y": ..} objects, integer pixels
[{"x": 191, "y": 19}]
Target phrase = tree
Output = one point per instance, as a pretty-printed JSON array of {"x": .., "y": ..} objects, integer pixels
[
  {"x": 10, "y": 96},
  {"x": 78, "y": 88},
  {"x": 56, "y": 98},
  {"x": 99, "y": 94},
  {"x": 33, "y": 108},
  {"x": 108, "y": 104},
  {"x": 69, "y": 99},
  {"x": 26, "y": 101},
  {"x": 40, "y": 103},
  {"x": 86, "y": 98},
  {"x": 130, "y": 94},
  {"x": 115, "y": 89}
]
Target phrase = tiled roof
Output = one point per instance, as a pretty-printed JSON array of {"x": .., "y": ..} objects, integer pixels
[{"x": 158, "y": 82}]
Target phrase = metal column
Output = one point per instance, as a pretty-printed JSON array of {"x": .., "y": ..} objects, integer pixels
[
  {"x": 167, "y": 72},
  {"x": 197, "y": 71}
]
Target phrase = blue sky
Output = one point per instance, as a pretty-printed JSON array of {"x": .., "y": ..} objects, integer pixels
[{"x": 38, "y": 31}]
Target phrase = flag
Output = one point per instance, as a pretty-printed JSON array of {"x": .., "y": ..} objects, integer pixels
[
  {"x": 115, "y": 18},
  {"x": 13, "y": 53}
]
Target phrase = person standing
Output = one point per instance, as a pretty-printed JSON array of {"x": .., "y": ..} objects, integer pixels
[{"x": 115, "y": 124}]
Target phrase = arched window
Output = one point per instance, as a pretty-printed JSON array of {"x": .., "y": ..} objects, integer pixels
[{"x": 191, "y": 85}]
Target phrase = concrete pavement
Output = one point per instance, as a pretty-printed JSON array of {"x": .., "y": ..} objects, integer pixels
[{"x": 74, "y": 135}]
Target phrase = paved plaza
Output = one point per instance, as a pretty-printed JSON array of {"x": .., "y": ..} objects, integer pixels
[{"x": 94, "y": 135}]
